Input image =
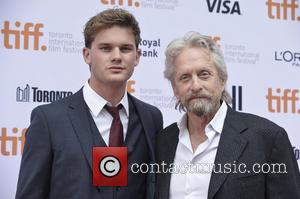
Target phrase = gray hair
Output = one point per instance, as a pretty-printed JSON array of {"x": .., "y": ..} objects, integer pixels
[{"x": 195, "y": 39}]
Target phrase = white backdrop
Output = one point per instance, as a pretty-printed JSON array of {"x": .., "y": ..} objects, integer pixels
[{"x": 40, "y": 59}]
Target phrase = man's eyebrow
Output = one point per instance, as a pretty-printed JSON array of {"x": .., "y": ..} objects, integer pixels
[
  {"x": 103, "y": 44},
  {"x": 127, "y": 45},
  {"x": 206, "y": 68},
  {"x": 110, "y": 44}
]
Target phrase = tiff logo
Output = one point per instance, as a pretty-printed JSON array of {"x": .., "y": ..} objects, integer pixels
[
  {"x": 237, "y": 98},
  {"x": 216, "y": 39},
  {"x": 12, "y": 145},
  {"x": 23, "y": 95},
  {"x": 130, "y": 88},
  {"x": 283, "y": 97},
  {"x": 283, "y": 9},
  {"x": 22, "y": 35},
  {"x": 224, "y": 6},
  {"x": 129, "y": 3}
]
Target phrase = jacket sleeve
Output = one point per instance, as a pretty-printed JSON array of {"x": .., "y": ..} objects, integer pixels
[
  {"x": 35, "y": 170},
  {"x": 284, "y": 181},
  {"x": 159, "y": 120}
]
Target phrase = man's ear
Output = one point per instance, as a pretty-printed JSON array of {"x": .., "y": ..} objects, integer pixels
[
  {"x": 175, "y": 91},
  {"x": 138, "y": 56},
  {"x": 86, "y": 55},
  {"x": 223, "y": 84}
]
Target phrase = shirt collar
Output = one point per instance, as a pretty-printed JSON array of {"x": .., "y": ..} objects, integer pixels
[
  {"x": 182, "y": 123},
  {"x": 216, "y": 124},
  {"x": 96, "y": 102}
]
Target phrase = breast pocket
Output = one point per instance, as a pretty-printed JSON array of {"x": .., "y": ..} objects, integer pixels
[{"x": 252, "y": 186}]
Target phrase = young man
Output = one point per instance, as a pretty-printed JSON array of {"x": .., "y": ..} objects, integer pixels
[
  {"x": 213, "y": 151},
  {"x": 57, "y": 158}
]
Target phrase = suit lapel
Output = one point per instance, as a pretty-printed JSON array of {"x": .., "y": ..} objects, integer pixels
[
  {"x": 147, "y": 123},
  {"x": 133, "y": 132},
  {"x": 230, "y": 148},
  {"x": 170, "y": 138},
  {"x": 78, "y": 116}
]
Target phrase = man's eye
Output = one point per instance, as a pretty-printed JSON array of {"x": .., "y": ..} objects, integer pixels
[
  {"x": 183, "y": 77},
  {"x": 105, "y": 48},
  {"x": 204, "y": 75},
  {"x": 126, "y": 49}
]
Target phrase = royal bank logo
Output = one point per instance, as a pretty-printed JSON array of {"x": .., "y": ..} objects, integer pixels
[
  {"x": 224, "y": 7},
  {"x": 34, "y": 94},
  {"x": 150, "y": 47},
  {"x": 288, "y": 56},
  {"x": 237, "y": 98},
  {"x": 25, "y": 36}
]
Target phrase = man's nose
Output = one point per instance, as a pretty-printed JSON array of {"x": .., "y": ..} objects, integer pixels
[
  {"x": 196, "y": 84},
  {"x": 116, "y": 54}
]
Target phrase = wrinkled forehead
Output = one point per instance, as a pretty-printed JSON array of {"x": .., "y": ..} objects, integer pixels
[{"x": 193, "y": 57}]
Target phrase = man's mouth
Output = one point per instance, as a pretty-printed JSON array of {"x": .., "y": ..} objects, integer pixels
[
  {"x": 116, "y": 68},
  {"x": 198, "y": 98}
]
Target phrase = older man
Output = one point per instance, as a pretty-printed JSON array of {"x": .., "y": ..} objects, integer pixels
[{"x": 214, "y": 151}]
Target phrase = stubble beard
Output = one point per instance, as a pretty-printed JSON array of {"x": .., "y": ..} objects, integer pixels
[{"x": 202, "y": 107}]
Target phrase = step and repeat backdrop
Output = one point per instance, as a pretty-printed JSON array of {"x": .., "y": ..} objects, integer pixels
[{"x": 41, "y": 59}]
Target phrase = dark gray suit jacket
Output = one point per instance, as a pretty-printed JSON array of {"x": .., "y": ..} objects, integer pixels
[
  {"x": 245, "y": 139},
  {"x": 57, "y": 157}
]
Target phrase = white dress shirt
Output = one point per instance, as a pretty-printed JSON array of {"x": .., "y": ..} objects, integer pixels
[
  {"x": 190, "y": 184},
  {"x": 101, "y": 116}
]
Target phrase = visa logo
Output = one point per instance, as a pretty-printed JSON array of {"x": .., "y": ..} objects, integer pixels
[{"x": 224, "y": 6}]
